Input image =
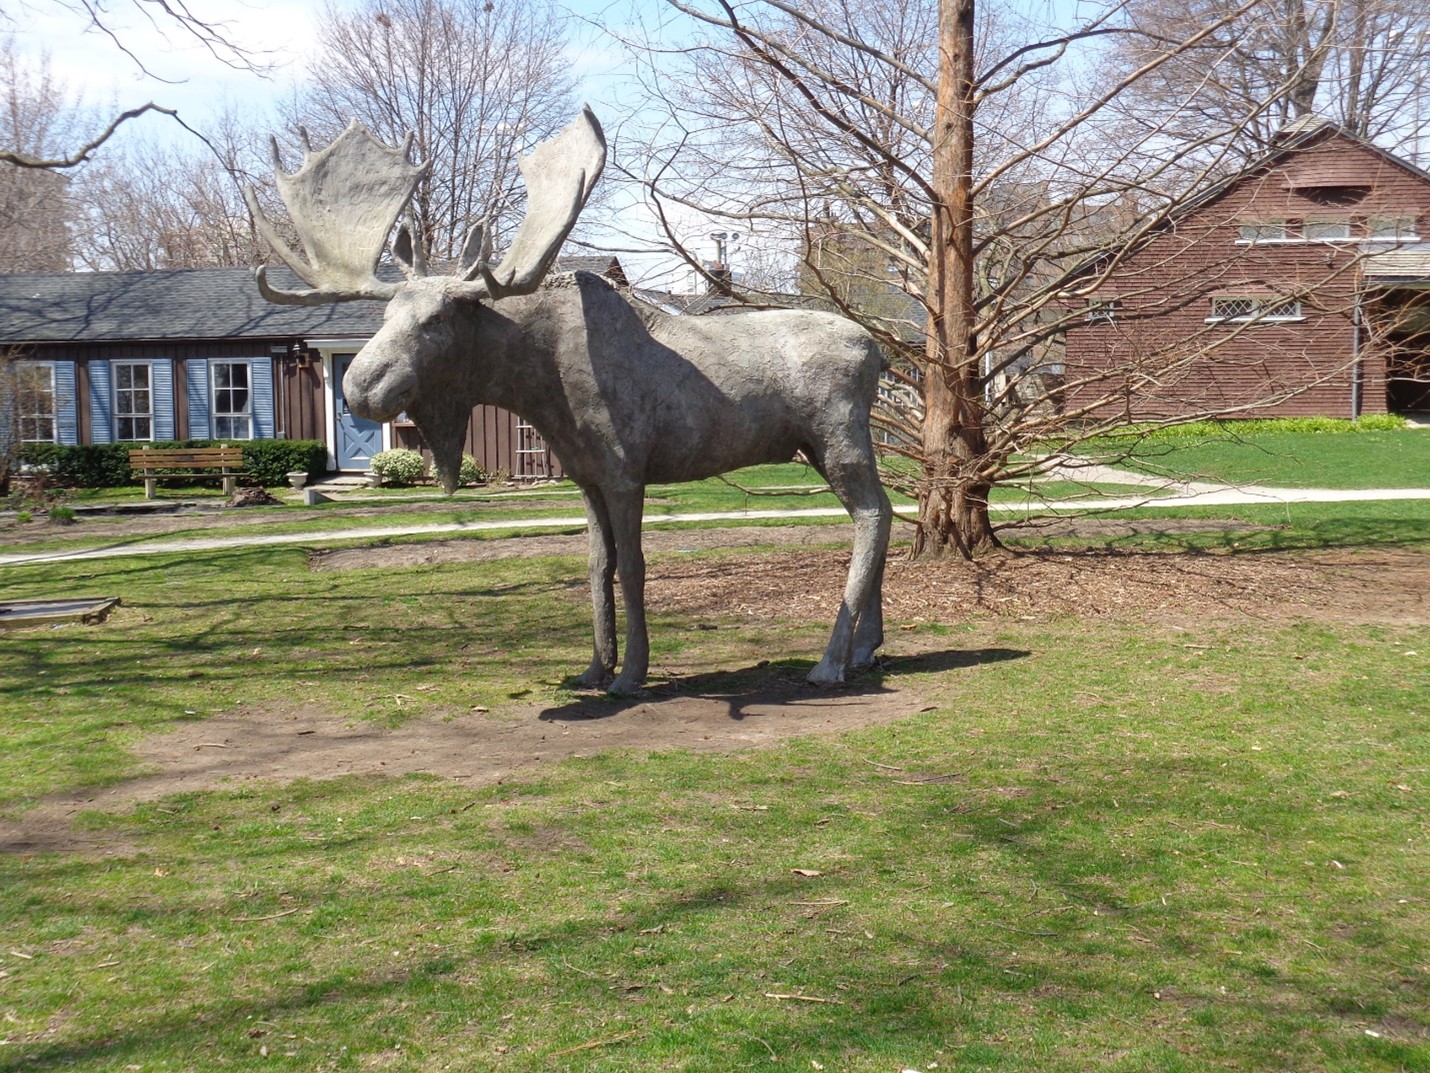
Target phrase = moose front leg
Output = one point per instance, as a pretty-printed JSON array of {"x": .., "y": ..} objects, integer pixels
[
  {"x": 603, "y": 595},
  {"x": 625, "y": 509}
]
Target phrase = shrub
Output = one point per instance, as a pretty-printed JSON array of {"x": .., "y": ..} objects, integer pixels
[
  {"x": 62, "y": 515},
  {"x": 470, "y": 472},
  {"x": 270, "y": 461},
  {"x": 398, "y": 466},
  {"x": 95, "y": 465}
]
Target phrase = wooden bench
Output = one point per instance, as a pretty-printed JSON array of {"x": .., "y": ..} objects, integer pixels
[{"x": 155, "y": 464}]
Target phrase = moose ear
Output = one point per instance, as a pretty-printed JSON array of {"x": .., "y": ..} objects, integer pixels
[
  {"x": 409, "y": 253},
  {"x": 402, "y": 246},
  {"x": 476, "y": 248}
]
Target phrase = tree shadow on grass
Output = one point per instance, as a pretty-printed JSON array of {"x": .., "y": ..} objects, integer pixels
[{"x": 774, "y": 685}]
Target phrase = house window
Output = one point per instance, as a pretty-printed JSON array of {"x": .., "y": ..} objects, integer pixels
[
  {"x": 1266, "y": 231},
  {"x": 1244, "y": 309},
  {"x": 1102, "y": 312},
  {"x": 1327, "y": 230},
  {"x": 1391, "y": 229},
  {"x": 232, "y": 401},
  {"x": 133, "y": 402},
  {"x": 35, "y": 401}
]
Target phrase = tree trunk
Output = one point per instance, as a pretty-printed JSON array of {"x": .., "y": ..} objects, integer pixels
[{"x": 953, "y": 494}]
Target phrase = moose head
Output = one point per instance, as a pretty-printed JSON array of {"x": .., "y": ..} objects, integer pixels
[{"x": 344, "y": 201}]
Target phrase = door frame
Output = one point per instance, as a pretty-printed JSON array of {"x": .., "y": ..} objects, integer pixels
[{"x": 328, "y": 348}]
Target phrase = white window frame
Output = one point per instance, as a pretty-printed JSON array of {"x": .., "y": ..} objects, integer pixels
[
  {"x": 26, "y": 421},
  {"x": 215, "y": 414},
  {"x": 120, "y": 393},
  {"x": 1260, "y": 310}
]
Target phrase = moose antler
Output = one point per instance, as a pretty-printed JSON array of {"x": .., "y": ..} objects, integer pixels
[
  {"x": 343, "y": 202},
  {"x": 559, "y": 175}
]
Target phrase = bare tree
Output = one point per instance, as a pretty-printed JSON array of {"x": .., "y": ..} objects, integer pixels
[
  {"x": 36, "y": 116},
  {"x": 476, "y": 83},
  {"x": 148, "y": 206},
  {"x": 1363, "y": 63},
  {"x": 947, "y": 191}
]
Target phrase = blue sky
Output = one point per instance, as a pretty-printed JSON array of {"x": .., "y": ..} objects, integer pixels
[{"x": 186, "y": 77}]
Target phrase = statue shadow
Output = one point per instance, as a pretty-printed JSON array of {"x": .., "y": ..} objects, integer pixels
[{"x": 755, "y": 690}]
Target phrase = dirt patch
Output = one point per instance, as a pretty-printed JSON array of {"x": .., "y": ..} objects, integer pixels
[
  {"x": 1386, "y": 585},
  {"x": 464, "y": 550},
  {"x": 1381, "y": 585},
  {"x": 252, "y": 745}
]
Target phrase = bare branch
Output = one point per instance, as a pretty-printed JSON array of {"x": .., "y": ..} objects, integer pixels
[{"x": 86, "y": 152}]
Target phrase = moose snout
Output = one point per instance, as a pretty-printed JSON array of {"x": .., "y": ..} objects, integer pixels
[{"x": 378, "y": 390}]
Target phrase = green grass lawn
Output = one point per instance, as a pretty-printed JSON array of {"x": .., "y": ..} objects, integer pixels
[
  {"x": 1392, "y": 459},
  {"x": 1091, "y": 844}
]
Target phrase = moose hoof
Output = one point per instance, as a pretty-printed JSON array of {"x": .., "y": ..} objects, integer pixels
[
  {"x": 826, "y": 673},
  {"x": 592, "y": 677},
  {"x": 625, "y": 685},
  {"x": 864, "y": 660}
]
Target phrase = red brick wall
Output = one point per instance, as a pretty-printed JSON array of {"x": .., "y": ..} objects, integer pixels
[{"x": 1160, "y": 356}]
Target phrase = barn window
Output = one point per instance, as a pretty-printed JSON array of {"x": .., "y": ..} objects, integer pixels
[
  {"x": 1327, "y": 230},
  {"x": 133, "y": 402},
  {"x": 1102, "y": 311},
  {"x": 35, "y": 401},
  {"x": 1233, "y": 308},
  {"x": 1391, "y": 229},
  {"x": 1264, "y": 231},
  {"x": 1261, "y": 309}
]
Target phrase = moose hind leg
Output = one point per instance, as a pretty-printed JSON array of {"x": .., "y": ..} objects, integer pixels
[
  {"x": 859, "y": 627},
  {"x": 869, "y": 631},
  {"x": 626, "y": 508},
  {"x": 603, "y": 596}
]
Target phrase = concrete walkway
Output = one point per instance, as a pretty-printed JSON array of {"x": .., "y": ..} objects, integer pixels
[{"x": 1196, "y": 495}]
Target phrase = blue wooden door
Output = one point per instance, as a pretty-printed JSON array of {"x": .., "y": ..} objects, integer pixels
[{"x": 358, "y": 438}]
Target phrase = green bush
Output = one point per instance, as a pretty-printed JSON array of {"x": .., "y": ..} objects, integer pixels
[
  {"x": 106, "y": 465},
  {"x": 398, "y": 466},
  {"x": 470, "y": 472},
  {"x": 270, "y": 461},
  {"x": 96, "y": 465}
]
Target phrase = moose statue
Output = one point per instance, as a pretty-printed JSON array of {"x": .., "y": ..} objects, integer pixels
[{"x": 625, "y": 395}]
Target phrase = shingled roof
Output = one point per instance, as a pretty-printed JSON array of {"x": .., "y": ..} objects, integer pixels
[
  {"x": 187, "y": 304},
  {"x": 200, "y": 303}
]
